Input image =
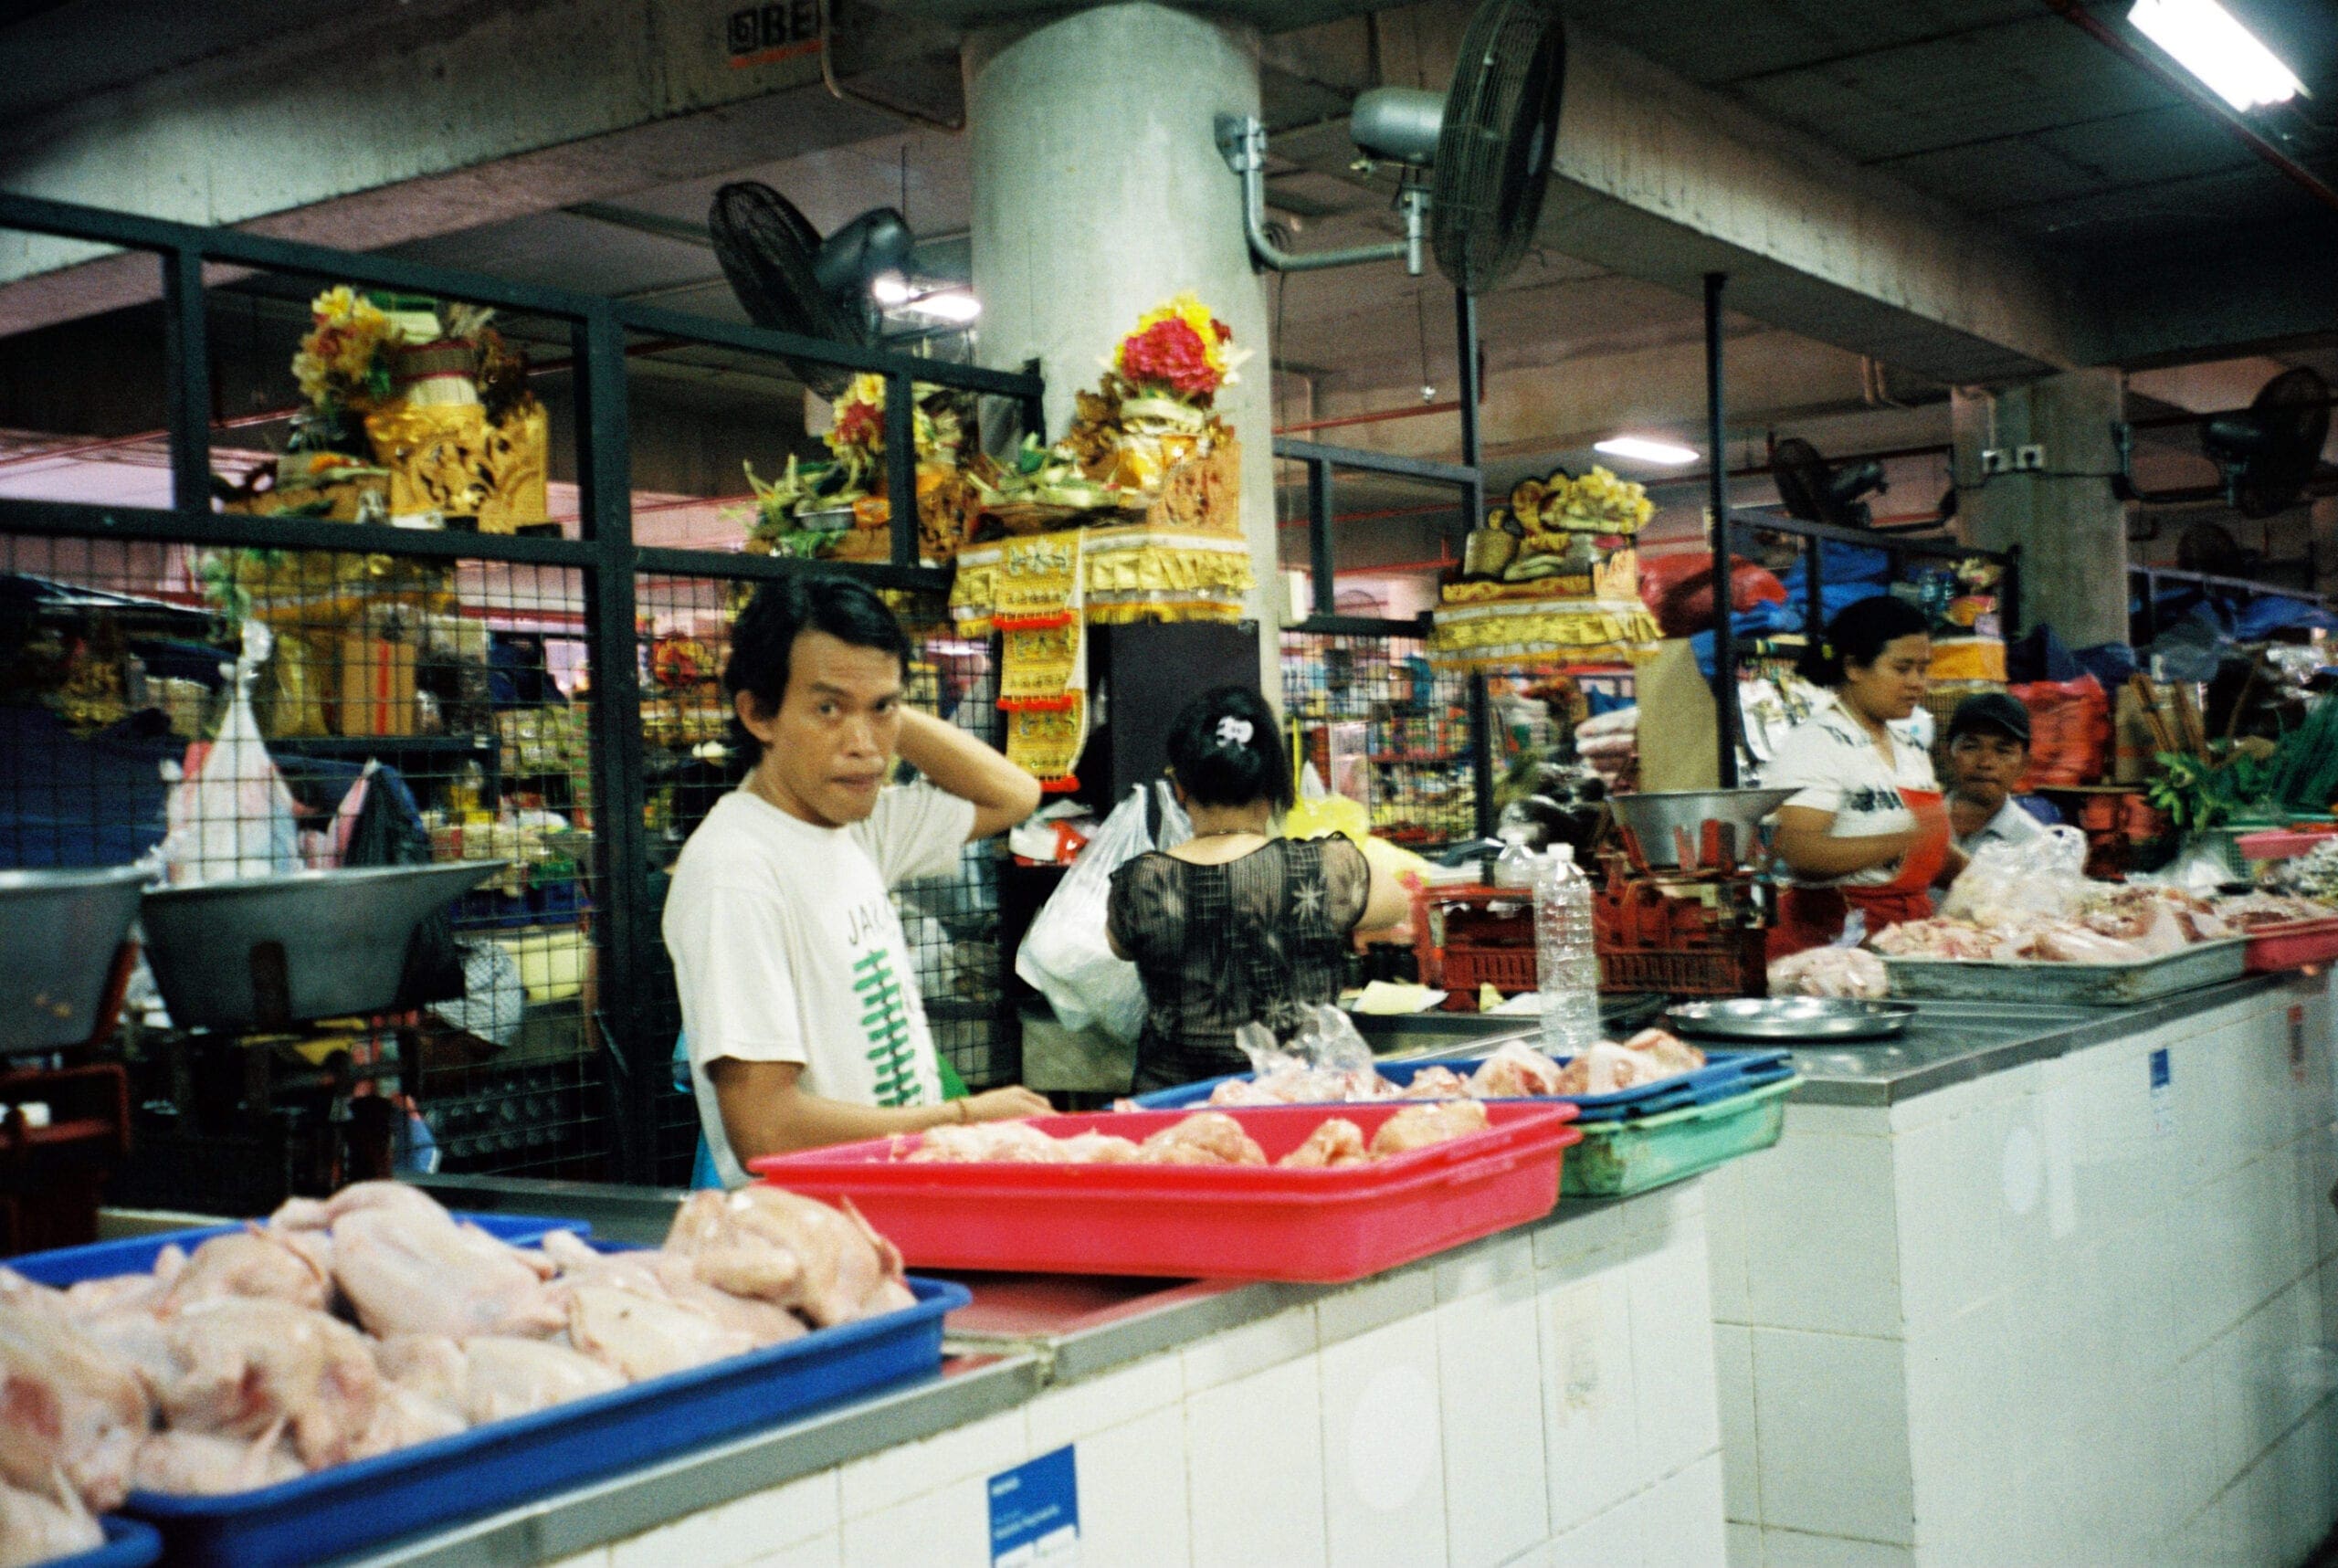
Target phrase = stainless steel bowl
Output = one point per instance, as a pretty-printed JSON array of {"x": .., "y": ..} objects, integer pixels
[
  {"x": 1654, "y": 816},
  {"x": 60, "y": 932},
  {"x": 1792, "y": 1018},
  {"x": 263, "y": 953}
]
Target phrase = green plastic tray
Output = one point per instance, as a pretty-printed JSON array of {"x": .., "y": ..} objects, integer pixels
[{"x": 1616, "y": 1159}]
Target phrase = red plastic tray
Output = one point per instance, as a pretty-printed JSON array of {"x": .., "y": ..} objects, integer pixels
[
  {"x": 2292, "y": 945},
  {"x": 2280, "y": 843},
  {"x": 1201, "y": 1222}
]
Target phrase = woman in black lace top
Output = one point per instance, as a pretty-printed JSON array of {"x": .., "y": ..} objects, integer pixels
[{"x": 1235, "y": 926}]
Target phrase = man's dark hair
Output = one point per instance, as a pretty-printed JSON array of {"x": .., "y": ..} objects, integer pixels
[
  {"x": 1225, "y": 748},
  {"x": 1858, "y": 635},
  {"x": 762, "y": 640}
]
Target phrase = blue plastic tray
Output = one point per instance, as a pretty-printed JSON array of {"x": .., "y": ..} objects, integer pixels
[
  {"x": 1725, "y": 1073},
  {"x": 129, "y": 1544},
  {"x": 136, "y": 1253},
  {"x": 347, "y": 1507}
]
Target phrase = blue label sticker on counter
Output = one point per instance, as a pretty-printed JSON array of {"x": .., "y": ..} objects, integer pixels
[
  {"x": 1034, "y": 1513},
  {"x": 2163, "y": 1094}
]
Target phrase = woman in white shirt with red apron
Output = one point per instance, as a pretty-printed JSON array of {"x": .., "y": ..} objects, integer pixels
[{"x": 1867, "y": 827}]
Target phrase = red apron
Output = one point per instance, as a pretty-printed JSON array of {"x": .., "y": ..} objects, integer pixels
[{"x": 1814, "y": 917}]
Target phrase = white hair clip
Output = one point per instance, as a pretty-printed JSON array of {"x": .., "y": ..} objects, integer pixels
[{"x": 1233, "y": 731}]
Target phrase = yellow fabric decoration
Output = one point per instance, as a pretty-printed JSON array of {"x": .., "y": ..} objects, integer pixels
[
  {"x": 1129, "y": 574},
  {"x": 1573, "y": 631}
]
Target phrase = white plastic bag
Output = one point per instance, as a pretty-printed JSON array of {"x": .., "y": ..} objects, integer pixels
[
  {"x": 231, "y": 816},
  {"x": 1065, "y": 956},
  {"x": 2008, "y": 883}
]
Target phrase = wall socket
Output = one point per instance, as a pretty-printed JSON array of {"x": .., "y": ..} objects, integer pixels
[
  {"x": 2029, "y": 459},
  {"x": 1995, "y": 460},
  {"x": 2025, "y": 459}
]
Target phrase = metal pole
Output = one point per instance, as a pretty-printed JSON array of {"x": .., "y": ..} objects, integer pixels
[
  {"x": 1724, "y": 554},
  {"x": 1814, "y": 591},
  {"x": 900, "y": 466},
  {"x": 1481, "y": 754},
  {"x": 622, "y": 914},
  {"x": 187, "y": 358},
  {"x": 1473, "y": 497},
  {"x": 1319, "y": 537}
]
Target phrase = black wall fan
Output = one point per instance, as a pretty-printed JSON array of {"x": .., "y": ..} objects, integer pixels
[
  {"x": 2269, "y": 450},
  {"x": 1815, "y": 491},
  {"x": 787, "y": 278},
  {"x": 1477, "y": 157}
]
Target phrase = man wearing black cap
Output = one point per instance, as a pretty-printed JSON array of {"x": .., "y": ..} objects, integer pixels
[{"x": 1989, "y": 751}]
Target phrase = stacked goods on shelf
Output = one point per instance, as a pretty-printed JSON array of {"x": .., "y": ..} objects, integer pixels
[{"x": 1553, "y": 574}]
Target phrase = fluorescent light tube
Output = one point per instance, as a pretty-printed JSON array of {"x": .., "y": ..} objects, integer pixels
[
  {"x": 1645, "y": 450},
  {"x": 890, "y": 288},
  {"x": 2207, "y": 40},
  {"x": 949, "y": 305}
]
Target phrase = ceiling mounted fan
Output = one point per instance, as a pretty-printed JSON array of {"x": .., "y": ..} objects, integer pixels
[
  {"x": 1816, "y": 491},
  {"x": 1475, "y": 158},
  {"x": 789, "y": 279},
  {"x": 2268, "y": 451}
]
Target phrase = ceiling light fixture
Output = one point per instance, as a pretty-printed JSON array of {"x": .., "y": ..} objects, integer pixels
[
  {"x": 2207, "y": 40},
  {"x": 1645, "y": 450},
  {"x": 946, "y": 305}
]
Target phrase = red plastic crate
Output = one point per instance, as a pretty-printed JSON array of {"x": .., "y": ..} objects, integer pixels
[
  {"x": 2292, "y": 945},
  {"x": 1312, "y": 1226},
  {"x": 2280, "y": 843}
]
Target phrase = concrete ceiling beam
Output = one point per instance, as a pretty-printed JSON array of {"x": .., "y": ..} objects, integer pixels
[{"x": 419, "y": 123}]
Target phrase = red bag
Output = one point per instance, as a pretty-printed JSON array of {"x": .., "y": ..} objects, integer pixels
[
  {"x": 2069, "y": 732},
  {"x": 1678, "y": 590}
]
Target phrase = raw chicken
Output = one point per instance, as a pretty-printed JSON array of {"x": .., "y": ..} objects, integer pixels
[
  {"x": 1204, "y": 1137},
  {"x": 1000, "y": 1143},
  {"x": 1336, "y": 1142},
  {"x": 647, "y": 1336},
  {"x": 2251, "y": 911},
  {"x": 203, "y": 1464},
  {"x": 135, "y": 1337},
  {"x": 90, "y": 1298},
  {"x": 39, "y": 1525},
  {"x": 403, "y": 1419},
  {"x": 1437, "y": 1083},
  {"x": 657, "y": 1273},
  {"x": 1670, "y": 1052},
  {"x": 324, "y": 1213},
  {"x": 1941, "y": 937},
  {"x": 66, "y": 1403},
  {"x": 1835, "y": 971},
  {"x": 1304, "y": 1086},
  {"x": 503, "y": 1377},
  {"x": 30, "y": 1295},
  {"x": 292, "y": 1266},
  {"x": 767, "y": 1243},
  {"x": 1245, "y": 1091},
  {"x": 1422, "y": 1125},
  {"x": 414, "y": 1271},
  {"x": 1100, "y": 1149},
  {"x": 431, "y": 1366},
  {"x": 244, "y": 1364},
  {"x": 1516, "y": 1070}
]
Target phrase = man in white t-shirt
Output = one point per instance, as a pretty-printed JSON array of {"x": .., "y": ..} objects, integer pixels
[{"x": 799, "y": 998}]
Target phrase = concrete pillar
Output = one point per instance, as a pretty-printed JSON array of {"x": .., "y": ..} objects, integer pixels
[
  {"x": 2072, "y": 530},
  {"x": 1099, "y": 193}
]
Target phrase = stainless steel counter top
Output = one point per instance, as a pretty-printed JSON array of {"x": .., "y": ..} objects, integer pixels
[{"x": 1951, "y": 1042}]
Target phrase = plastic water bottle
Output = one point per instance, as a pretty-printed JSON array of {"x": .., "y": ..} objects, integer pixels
[
  {"x": 1566, "y": 964},
  {"x": 1517, "y": 866}
]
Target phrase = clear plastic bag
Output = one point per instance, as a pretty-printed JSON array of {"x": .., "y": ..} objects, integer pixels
[
  {"x": 1065, "y": 956},
  {"x": 229, "y": 815},
  {"x": 2007, "y": 884}
]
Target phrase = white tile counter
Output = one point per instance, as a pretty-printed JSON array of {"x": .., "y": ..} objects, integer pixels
[
  {"x": 2051, "y": 1314},
  {"x": 1541, "y": 1399}
]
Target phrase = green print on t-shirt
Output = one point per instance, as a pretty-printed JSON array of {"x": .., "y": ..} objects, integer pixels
[{"x": 885, "y": 1020}]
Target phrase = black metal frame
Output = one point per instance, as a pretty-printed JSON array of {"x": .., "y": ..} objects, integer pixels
[
  {"x": 2142, "y": 619},
  {"x": 606, "y": 556}
]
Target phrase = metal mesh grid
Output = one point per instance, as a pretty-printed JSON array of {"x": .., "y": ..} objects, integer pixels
[
  {"x": 952, "y": 922},
  {"x": 1384, "y": 727},
  {"x": 455, "y": 679}
]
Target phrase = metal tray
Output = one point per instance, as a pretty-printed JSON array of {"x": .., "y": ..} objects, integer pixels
[
  {"x": 1792, "y": 1018},
  {"x": 59, "y": 934},
  {"x": 264, "y": 952},
  {"x": 2088, "y": 984}
]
